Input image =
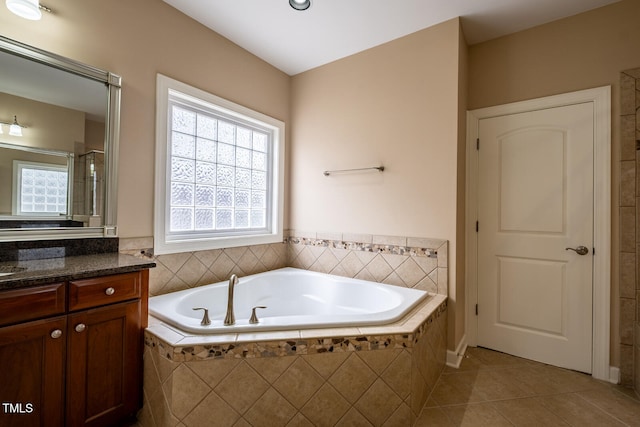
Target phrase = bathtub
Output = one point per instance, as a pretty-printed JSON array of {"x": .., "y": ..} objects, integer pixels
[{"x": 295, "y": 299}]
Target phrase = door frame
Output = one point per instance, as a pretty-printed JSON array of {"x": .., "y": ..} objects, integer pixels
[{"x": 601, "y": 98}]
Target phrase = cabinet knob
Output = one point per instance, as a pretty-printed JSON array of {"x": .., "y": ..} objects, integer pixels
[
  {"x": 80, "y": 327},
  {"x": 56, "y": 333},
  {"x": 109, "y": 291}
]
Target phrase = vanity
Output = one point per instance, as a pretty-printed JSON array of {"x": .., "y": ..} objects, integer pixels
[
  {"x": 71, "y": 339},
  {"x": 72, "y": 309}
]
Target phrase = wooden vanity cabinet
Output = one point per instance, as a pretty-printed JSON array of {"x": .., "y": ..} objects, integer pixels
[
  {"x": 82, "y": 368},
  {"x": 103, "y": 385},
  {"x": 32, "y": 373}
]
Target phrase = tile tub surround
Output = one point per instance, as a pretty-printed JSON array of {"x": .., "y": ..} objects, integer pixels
[
  {"x": 378, "y": 376},
  {"x": 176, "y": 272},
  {"x": 419, "y": 263},
  {"x": 629, "y": 255},
  {"x": 402, "y": 261}
]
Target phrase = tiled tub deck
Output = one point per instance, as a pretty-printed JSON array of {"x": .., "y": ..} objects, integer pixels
[{"x": 378, "y": 375}]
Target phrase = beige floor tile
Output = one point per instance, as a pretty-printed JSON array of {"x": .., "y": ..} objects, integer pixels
[
  {"x": 494, "y": 359},
  {"x": 546, "y": 380},
  {"x": 528, "y": 412},
  {"x": 455, "y": 389},
  {"x": 433, "y": 417},
  {"x": 499, "y": 384},
  {"x": 478, "y": 386},
  {"x": 493, "y": 389},
  {"x": 480, "y": 415},
  {"x": 615, "y": 403},
  {"x": 577, "y": 411}
]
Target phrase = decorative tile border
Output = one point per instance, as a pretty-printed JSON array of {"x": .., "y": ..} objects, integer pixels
[
  {"x": 416, "y": 324},
  {"x": 364, "y": 247}
]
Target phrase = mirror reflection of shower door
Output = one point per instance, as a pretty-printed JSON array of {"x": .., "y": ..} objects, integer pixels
[{"x": 93, "y": 183}]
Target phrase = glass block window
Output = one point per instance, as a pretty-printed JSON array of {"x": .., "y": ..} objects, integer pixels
[
  {"x": 41, "y": 189},
  {"x": 220, "y": 171},
  {"x": 221, "y": 184}
]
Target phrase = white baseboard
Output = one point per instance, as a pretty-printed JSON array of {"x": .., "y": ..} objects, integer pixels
[
  {"x": 614, "y": 375},
  {"x": 454, "y": 358}
]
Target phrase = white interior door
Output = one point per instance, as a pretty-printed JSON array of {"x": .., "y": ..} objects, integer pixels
[{"x": 535, "y": 199}]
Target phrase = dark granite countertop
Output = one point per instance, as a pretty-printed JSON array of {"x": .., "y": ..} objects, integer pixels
[{"x": 50, "y": 270}]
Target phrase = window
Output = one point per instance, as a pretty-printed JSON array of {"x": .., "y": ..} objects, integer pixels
[
  {"x": 219, "y": 172},
  {"x": 39, "y": 189}
]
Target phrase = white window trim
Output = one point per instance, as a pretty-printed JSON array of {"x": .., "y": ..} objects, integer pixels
[
  {"x": 16, "y": 209},
  {"x": 165, "y": 245}
]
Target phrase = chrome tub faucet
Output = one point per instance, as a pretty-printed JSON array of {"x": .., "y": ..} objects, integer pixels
[{"x": 230, "y": 318}]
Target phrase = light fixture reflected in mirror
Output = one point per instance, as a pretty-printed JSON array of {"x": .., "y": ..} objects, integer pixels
[
  {"x": 15, "y": 129},
  {"x": 298, "y": 4}
]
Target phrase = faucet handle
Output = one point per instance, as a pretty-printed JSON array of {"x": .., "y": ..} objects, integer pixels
[
  {"x": 205, "y": 319},
  {"x": 254, "y": 318}
]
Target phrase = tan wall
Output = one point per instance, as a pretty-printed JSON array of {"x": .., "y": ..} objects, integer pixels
[
  {"x": 395, "y": 105},
  {"x": 94, "y": 135},
  {"x": 458, "y": 307},
  {"x": 138, "y": 39},
  {"x": 580, "y": 52},
  {"x": 48, "y": 126}
]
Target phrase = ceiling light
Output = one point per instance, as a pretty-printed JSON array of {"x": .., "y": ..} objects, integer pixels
[
  {"x": 27, "y": 9},
  {"x": 297, "y": 4},
  {"x": 1, "y": 128},
  {"x": 15, "y": 129}
]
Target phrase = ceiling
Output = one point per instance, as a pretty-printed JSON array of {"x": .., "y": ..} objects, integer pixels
[{"x": 296, "y": 41}]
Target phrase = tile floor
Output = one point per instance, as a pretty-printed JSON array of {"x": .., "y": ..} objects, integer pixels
[{"x": 494, "y": 389}]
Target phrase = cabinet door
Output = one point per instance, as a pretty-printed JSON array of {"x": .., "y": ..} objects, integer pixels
[
  {"x": 104, "y": 365},
  {"x": 32, "y": 380}
]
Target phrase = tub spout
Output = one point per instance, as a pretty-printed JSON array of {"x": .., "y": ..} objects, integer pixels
[{"x": 230, "y": 318}]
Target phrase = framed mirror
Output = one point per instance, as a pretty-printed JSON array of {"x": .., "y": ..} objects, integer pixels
[{"x": 59, "y": 130}]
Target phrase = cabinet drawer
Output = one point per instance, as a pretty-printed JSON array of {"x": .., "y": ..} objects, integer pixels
[
  {"x": 103, "y": 290},
  {"x": 19, "y": 305}
]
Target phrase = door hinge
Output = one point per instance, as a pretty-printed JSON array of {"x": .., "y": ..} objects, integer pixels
[
  {"x": 477, "y": 143},
  {"x": 593, "y": 252},
  {"x": 476, "y": 309},
  {"x": 477, "y": 226}
]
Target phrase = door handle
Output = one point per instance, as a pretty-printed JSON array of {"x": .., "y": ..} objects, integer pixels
[{"x": 580, "y": 250}]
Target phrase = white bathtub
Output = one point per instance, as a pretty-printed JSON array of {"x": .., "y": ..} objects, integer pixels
[{"x": 295, "y": 299}]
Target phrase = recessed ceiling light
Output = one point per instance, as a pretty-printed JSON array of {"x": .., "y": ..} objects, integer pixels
[
  {"x": 28, "y": 9},
  {"x": 300, "y": 4}
]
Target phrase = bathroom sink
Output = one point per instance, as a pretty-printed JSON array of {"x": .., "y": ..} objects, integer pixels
[{"x": 6, "y": 270}]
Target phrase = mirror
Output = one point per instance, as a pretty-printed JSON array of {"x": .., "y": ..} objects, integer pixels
[{"x": 59, "y": 127}]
